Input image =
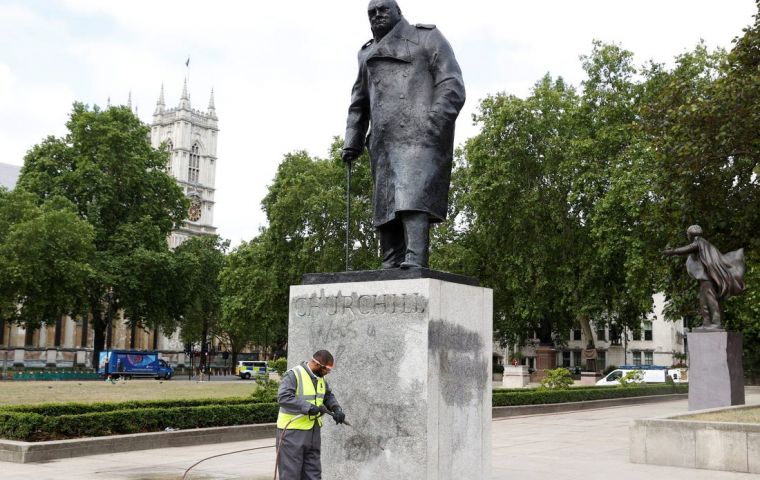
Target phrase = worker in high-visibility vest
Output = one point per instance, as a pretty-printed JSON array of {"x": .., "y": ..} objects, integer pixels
[{"x": 304, "y": 391}]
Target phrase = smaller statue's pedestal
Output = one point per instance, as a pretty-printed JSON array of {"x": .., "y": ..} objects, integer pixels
[
  {"x": 413, "y": 354},
  {"x": 546, "y": 359},
  {"x": 516, "y": 376},
  {"x": 716, "y": 375},
  {"x": 590, "y": 378}
]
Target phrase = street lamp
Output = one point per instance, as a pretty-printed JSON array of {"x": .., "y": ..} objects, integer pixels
[{"x": 109, "y": 319}]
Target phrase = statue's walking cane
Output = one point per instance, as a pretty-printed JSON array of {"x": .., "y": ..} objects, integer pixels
[{"x": 348, "y": 215}]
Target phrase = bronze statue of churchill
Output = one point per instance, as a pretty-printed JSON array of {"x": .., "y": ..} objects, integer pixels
[{"x": 409, "y": 91}]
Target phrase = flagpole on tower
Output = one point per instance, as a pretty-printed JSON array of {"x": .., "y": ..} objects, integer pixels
[{"x": 187, "y": 68}]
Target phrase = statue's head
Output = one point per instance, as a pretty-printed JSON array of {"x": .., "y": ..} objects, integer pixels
[
  {"x": 694, "y": 231},
  {"x": 383, "y": 16}
]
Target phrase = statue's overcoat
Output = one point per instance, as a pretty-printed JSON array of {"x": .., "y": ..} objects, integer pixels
[{"x": 409, "y": 91}]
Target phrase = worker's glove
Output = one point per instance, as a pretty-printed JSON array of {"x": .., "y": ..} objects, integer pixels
[
  {"x": 313, "y": 411},
  {"x": 339, "y": 416}
]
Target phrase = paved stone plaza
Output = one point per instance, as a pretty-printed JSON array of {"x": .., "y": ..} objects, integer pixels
[{"x": 586, "y": 445}]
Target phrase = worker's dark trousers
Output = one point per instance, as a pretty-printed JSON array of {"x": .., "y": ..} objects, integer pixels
[{"x": 299, "y": 454}]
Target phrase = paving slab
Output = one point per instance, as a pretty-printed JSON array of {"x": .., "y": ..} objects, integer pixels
[{"x": 589, "y": 444}]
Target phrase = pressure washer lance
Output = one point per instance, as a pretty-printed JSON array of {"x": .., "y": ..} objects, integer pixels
[{"x": 361, "y": 434}]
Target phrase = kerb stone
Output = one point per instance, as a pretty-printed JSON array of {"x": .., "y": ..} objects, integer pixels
[{"x": 412, "y": 372}]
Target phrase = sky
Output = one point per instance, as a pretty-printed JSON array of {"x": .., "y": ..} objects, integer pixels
[{"x": 282, "y": 70}]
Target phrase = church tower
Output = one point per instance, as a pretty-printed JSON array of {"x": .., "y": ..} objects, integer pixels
[{"x": 191, "y": 137}]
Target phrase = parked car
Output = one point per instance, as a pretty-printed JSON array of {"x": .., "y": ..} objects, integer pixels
[{"x": 251, "y": 368}]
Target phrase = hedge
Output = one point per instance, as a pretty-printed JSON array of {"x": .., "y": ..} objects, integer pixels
[
  {"x": 576, "y": 394},
  {"x": 28, "y": 427},
  {"x": 57, "y": 409},
  {"x": 76, "y": 420}
]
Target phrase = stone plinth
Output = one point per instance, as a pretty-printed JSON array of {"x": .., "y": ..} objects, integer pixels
[
  {"x": 80, "y": 359},
  {"x": 18, "y": 357},
  {"x": 546, "y": 357},
  {"x": 590, "y": 378},
  {"x": 51, "y": 357},
  {"x": 716, "y": 375},
  {"x": 515, "y": 376},
  {"x": 413, "y": 374}
]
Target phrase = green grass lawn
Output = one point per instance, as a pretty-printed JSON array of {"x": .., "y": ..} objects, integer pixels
[
  {"x": 15, "y": 393},
  {"x": 745, "y": 415}
]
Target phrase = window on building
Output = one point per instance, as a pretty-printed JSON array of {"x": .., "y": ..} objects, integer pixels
[
  {"x": 636, "y": 332},
  {"x": 576, "y": 334},
  {"x": 601, "y": 334},
  {"x": 601, "y": 360},
  {"x": 648, "y": 358},
  {"x": 577, "y": 358},
  {"x": 565, "y": 359},
  {"x": 637, "y": 358},
  {"x": 648, "y": 335},
  {"x": 194, "y": 168},
  {"x": 170, "y": 149}
]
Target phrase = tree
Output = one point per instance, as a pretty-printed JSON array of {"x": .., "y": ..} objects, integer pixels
[
  {"x": 248, "y": 286},
  {"x": 45, "y": 255},
  {"x": 519, "y": 226},
  {"x": 200, "y": 263},
  {"x": 118, "y": 183},
  {"x": 553, "y": 191},
  {"x": 305, "y": 207},
  {"x": 702, "y": 119}
]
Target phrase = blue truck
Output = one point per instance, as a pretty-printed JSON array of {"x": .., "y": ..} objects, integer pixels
[{"x": 133, "y": 363}]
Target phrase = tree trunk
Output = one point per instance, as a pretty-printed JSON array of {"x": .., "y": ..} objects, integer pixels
[
  {"x": 29, "y": 337},
  {"x": 545, "y": 332},
  {"x": 98, "y": 336},
  {"x": 58, "y": 331},
  {"x": 155, "y": 338},
  {"x": 204, "y": 349},
  {"x": 586, "y": 328},
  {"x": 85, "y": 328}
]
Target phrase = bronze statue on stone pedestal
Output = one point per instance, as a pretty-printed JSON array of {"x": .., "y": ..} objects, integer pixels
[{"x": 720, "y": 276}]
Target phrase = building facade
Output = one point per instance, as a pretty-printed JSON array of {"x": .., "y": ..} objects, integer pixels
[{"x": 656, "y": 342}]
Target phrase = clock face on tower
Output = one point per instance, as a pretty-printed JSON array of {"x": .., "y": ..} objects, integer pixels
[{"x": 194, "y": 212}]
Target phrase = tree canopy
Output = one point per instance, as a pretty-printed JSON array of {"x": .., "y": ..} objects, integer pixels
[{"x": 117, "y": 182}]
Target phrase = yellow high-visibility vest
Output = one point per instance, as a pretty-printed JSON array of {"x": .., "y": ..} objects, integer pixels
[{"x": 305, "y": 391}]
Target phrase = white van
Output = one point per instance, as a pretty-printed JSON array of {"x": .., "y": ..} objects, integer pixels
[{"x": 649, "y": 374}]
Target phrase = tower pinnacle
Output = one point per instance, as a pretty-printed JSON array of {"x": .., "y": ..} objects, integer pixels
[
  {"x": 160, "y": 104},
  {"x": 184, "y": 101},
  {"x": 211, "y": 105}
]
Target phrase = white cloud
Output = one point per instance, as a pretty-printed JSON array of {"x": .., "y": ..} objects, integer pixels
[{"x": 6, "y": 84}]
